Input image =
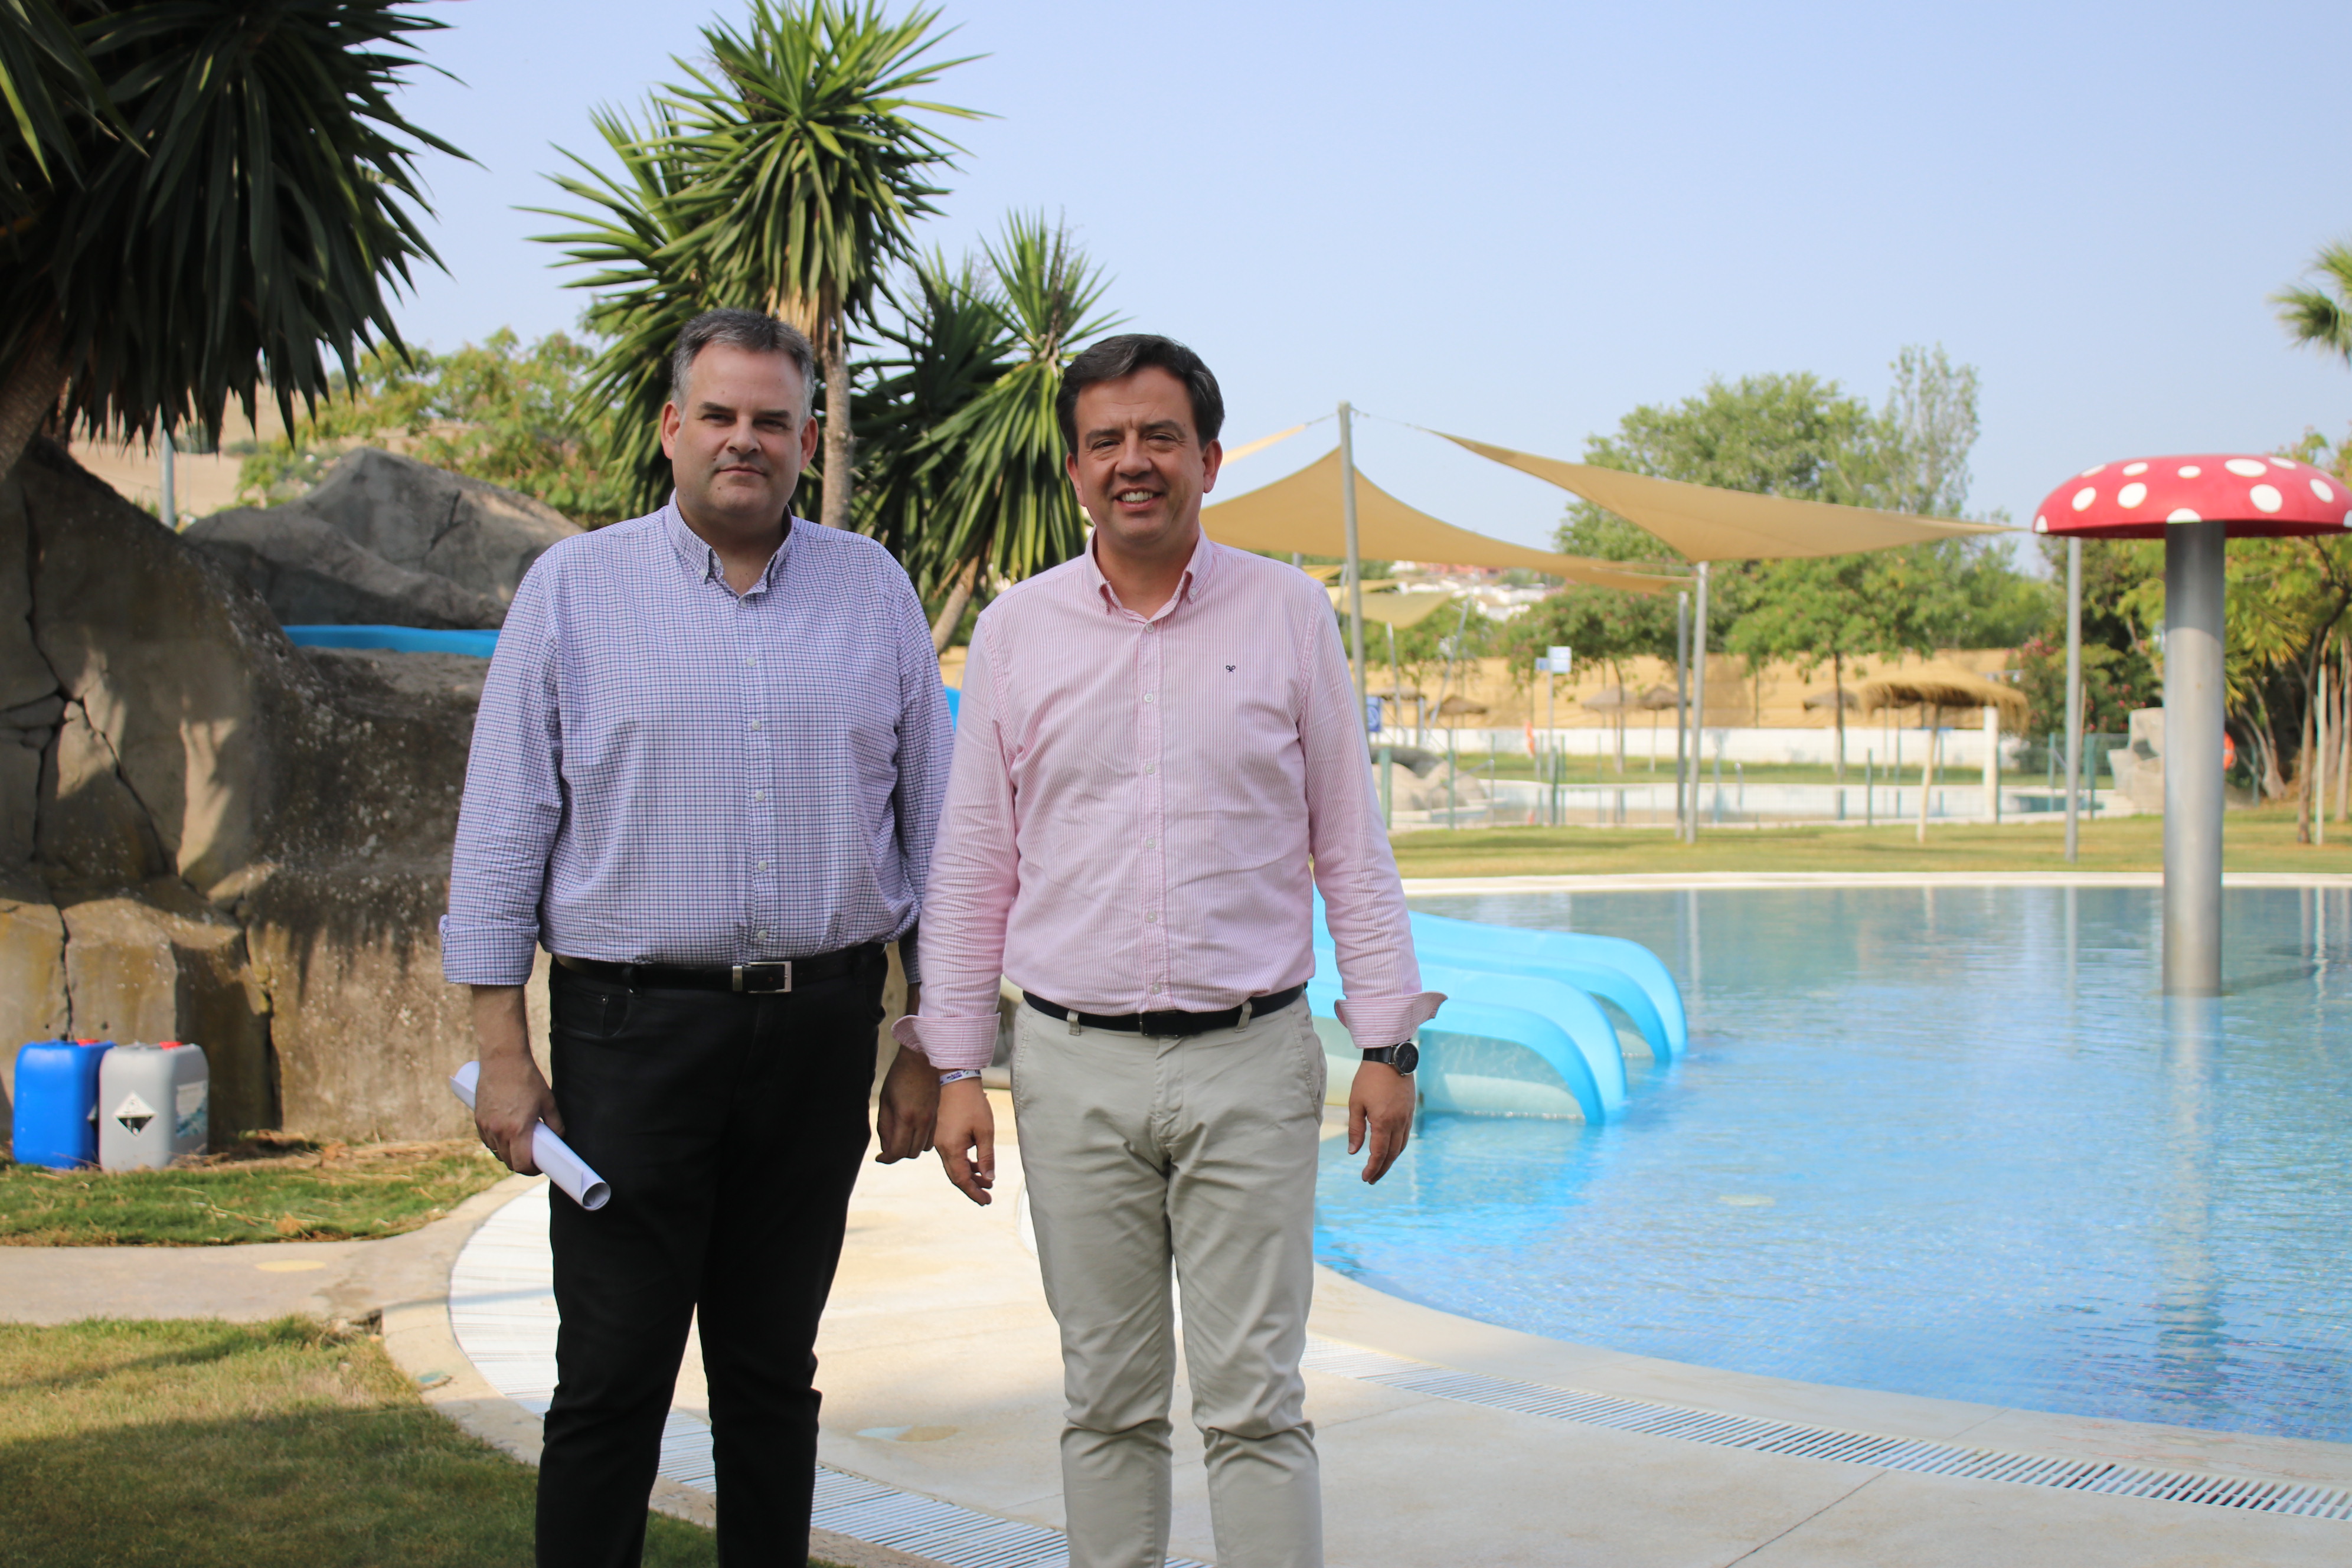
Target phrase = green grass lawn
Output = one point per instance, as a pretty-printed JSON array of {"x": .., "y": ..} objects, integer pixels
[
  {"x": 311, "y": 1194},
  {"x": 211, "y": 1444},
  {"x": 2252, "y": 841}
]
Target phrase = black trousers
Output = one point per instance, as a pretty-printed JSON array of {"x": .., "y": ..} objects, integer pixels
[{"x": 730, "y": 1128}]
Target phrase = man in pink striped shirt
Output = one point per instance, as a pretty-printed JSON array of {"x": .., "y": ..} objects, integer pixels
[{"x": 1159, "y": 757}]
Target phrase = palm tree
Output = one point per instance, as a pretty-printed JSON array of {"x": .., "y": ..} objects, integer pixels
[
  {"x": 809, "y": 173},
  {"x": 1005, "y": 504},
  {"x": 192, "y": 205},
  {"x": 648, "y": 288},
  {"x": 947, "y": 343},
  {"x": 2316, "y": 316}
]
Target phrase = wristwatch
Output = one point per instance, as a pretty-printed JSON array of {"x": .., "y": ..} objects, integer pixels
[{"x": 1403, "y": 1057}]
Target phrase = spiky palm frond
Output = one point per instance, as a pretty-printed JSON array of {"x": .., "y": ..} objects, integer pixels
[
  {"x": 1005, "y": 499},
  {"x": 52, "y": 93},
  {"x": 258, "y": 208},
  {"x": 813, "y": 169},
  {"x": 947, "y": 344},
  {"x": 2316, "y": 316},
  {"x": 647, "y": 287}
]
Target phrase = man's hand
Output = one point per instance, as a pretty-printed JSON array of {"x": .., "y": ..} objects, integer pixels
[
  {"x": 1381, "y": 1100},
  {"x": 966, "y": 1138},
  {"x": 512, "y": 1097},
  {"x": 909, "y": 1108}
]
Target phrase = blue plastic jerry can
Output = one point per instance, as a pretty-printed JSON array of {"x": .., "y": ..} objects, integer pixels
[{"x": 56, "y": 1102}]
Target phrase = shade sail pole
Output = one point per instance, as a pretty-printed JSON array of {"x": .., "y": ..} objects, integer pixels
[
  {"x": 1681, "y": 713},
  {"x": 1698, "y": 695},
  {"x": 2074, "y": 695},
  {"x": 1355, "y": 558}
]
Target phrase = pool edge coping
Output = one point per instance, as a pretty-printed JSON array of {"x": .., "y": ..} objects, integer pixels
[{"x": 1704, "y": 881}]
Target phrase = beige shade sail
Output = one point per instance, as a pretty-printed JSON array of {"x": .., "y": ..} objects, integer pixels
[
  {"x": 1704, "y": 523},
  {"x": 1398, "y": 610},
  {"x": 1302, "y": 514}
]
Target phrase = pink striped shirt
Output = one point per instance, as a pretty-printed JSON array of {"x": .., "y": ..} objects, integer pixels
[{"x": 1137, "y": 806}]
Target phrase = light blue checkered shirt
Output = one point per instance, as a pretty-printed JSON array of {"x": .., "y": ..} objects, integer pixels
[{"x": 665, "y": 773}]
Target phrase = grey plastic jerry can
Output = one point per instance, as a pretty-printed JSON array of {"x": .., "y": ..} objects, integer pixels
[{"x": 153, "y": 1105}]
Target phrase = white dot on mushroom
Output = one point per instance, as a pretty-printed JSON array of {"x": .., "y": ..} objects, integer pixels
[
  {"x": 2265, "y": 498},
  {"x": 2184, "y": 515},
  {"x": 2134, "y": 467},
  {"x": 2246, "y": 468},
  {"x": 2131, "y": 495},
  {"x": 2085, "y": 497},
  {"x": 2190, "y": 470}
]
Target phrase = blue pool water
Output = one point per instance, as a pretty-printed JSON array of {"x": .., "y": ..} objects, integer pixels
[{"x": 1941, "y": 1141}]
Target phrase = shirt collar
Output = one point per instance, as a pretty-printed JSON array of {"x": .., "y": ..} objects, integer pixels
[
  {"x": 1197, "y": 573},
  {"x": 695, "y": 554}
]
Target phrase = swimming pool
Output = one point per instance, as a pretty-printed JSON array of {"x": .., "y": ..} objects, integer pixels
[{"x": 1945, "y": 1142}]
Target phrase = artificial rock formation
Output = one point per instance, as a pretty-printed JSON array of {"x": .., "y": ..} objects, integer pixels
[
  {"x": 387, "y": 540},
  {"x": 211, "y": 835}
]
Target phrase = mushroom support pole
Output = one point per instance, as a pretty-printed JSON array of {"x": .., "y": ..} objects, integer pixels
[
  {"x": 1682, "y": 716},
  {"x": 2193, "y": 582},
  {"x": 2073, "y": 696}
]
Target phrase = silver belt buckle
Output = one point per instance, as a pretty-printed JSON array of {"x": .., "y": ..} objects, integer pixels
[{"x": 763, "y": 979}]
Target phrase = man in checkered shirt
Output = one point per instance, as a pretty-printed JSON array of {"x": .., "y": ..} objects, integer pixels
[{"x": 706, "y": 777}]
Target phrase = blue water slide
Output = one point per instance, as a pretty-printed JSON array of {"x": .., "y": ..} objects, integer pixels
[
  {"x": 1623, "y": 972},
  {"x": 1475, "y": 1056},
  {"x": 1559, "y": 1003}
]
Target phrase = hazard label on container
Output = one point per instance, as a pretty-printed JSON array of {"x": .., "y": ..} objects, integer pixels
[{"x": 134, "y": 1113}]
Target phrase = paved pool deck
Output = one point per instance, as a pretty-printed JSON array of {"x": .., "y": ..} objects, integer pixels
[{"x": 942, "y": 1379}]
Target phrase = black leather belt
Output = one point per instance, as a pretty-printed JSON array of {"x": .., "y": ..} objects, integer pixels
[
  {"x": 1162, "y": 1025},
  {"x": 752, "y": 979}
]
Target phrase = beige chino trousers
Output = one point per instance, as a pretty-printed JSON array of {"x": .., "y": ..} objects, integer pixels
[{"x": 1199, "y": 1153}]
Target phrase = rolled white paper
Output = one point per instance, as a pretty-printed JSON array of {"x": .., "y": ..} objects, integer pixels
[{"x": 567, "y": 1170}]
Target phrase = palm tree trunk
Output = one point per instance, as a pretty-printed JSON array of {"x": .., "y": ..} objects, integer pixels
[
  {"x": 951, "y": 613},
  {"x": 2304, "y": 757},
  {"x": 28, "y": 396},
  {"x": 840, "y": 441}
]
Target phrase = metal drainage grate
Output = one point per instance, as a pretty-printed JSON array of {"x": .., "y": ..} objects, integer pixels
[
  {"x": 2105, "y": 1477},
  {"x": 867, "y": 1511}
]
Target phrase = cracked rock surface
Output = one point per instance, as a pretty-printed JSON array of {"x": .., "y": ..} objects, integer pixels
[{"x": 210, "y": 835}]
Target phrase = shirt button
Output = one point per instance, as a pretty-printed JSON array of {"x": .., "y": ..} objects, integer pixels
[
  {"x": 1152, "y": 844},
  {"x": 1152, "y": 767},
  {"x": 759, "y": 795},
  {"x": 763, "y": 933},
  {"x": 750, "y": 662},
  {"x": 1151, "y": 697},
  {"x": 1155, "y": 988},
  {"x": 1152, "y": 920},
  {"x": 763, "y": 864},
  {"x": 755, "y": 723}
]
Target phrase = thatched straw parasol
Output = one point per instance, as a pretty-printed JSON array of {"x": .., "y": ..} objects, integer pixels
[
  {"x": 1609, "y": 700},
  {"x": 1817, "y": 701},
  {"x": 1941, "y": 689},
  {"x": 1659, "y": 700},
  {"x": 1456, "y": 707}
]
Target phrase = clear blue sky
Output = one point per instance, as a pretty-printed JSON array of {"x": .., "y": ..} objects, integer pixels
[{"x": 1518, "y": 221}]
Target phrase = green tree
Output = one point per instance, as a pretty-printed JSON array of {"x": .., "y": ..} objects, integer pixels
[
  {"x": 809, "y": 173},
  {"x": 196, "y": 197},
  {"x": 2321, "y": 317},
  {"x": 498, "y": 410}
]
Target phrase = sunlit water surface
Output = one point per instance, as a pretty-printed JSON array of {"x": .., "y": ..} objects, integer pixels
[{"x": 1945, "y": 1142}]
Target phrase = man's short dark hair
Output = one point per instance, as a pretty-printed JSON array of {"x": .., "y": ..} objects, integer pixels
[
  {"x": 1114, "y": 359},
  {"x": 746, "y": 330}
]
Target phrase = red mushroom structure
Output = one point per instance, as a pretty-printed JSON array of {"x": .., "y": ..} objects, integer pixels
[{"x": 2194, "y": 504}]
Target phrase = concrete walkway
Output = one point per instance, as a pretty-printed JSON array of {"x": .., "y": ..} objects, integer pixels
[{"x": 1445, "y": 1442}]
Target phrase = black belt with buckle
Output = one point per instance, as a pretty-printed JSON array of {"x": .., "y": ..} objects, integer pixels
[
  {"x": 752, "y": 979},
  {"x": 1160, "y": 1025}
]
